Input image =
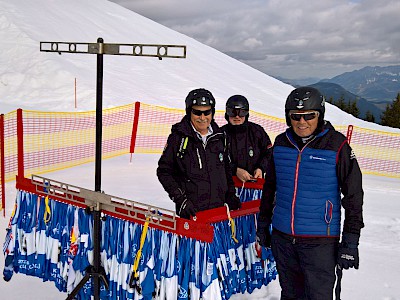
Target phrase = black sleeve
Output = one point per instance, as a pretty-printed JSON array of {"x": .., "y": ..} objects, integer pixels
[
  {"x": 228, "y": 168},
  {"x": 350, "y": 181},
  {"x": 167, "y": 165},
  {"x": 233, "y": 166},
  {"x": 265, "y": 150},
  {"x": 268, "y": 195}
]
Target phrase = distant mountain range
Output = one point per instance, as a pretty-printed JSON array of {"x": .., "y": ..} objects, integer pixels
[
  {"x": 379, "y": 85},
  {"x": 372, "y": 87},
  {"x": 335, "y": 91}
]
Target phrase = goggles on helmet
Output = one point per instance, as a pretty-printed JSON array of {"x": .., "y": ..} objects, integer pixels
[{"x": 233, "y": 112}]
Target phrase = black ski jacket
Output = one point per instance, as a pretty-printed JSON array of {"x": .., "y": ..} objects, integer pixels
[
  {"x": 249, "y": 146},
  {"x": 202, "y": 171}
]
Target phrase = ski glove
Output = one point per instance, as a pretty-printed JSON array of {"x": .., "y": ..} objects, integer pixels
[
  {"x": 187, "y": 209},
  {"x": 348, "y": 251},
  {"x": 233, "y": 201},
  {"x": 264, "y": 236}
]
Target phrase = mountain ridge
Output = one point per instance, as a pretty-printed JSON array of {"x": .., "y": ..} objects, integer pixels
[{"x": 379, "y": 85}]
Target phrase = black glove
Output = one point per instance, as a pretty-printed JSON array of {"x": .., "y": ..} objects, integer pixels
[
  {"x": 233, "y": 201},
  {"x": 264, "y": 236},
  {"x": 185, "y": 207},
  {"x": 348, "y": 251}
]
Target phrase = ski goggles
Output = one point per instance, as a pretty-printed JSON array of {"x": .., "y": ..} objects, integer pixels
[
  {"x": 307, "y": 116},
  {"x": 198, "y": 112},
  {"x": 233, "y": 112}
]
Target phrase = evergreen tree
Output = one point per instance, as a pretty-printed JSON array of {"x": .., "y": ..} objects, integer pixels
[
  {"x": 369, "y": 117},
  {"x": 353, "y": 109},
  {"x": 391, "y": 116},
  {"x": 341, "y": 104}
]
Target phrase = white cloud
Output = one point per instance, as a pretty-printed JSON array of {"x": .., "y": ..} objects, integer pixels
[
  {"x": 251, "y": 43},
  {"x": 367, "y": 30}
]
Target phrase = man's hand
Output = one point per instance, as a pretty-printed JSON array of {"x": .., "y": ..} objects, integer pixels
[
  {"x": 233, "y": 201},
  {"x": 187, "y": 209},
  {"x": 243, "y": 175},
  {"x": 257, "y": 173},
  {"x": 264, "y": 237},
  {"x": 348, "y": 251}
]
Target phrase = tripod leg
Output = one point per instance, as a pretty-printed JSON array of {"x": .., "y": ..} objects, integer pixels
[{"x": 78, "y": 287}]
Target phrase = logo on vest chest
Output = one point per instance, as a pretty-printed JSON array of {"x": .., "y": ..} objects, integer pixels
[{"x": 317, "y": 158}]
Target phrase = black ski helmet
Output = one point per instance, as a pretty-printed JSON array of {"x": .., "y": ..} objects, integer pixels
[
  {"x": 200, "y": 97},
  {"x": 238, "y": 102},
  {"x": 305, "y": 98}
]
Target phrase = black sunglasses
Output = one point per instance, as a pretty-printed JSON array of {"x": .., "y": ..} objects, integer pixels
[
  {"x": 307, "y": 116},
  {"x": 198, "y": 113},
  {"x": 233, "y": 112}
]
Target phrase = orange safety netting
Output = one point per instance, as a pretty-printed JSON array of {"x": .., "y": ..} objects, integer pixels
[
  {"x": 378, "y": 152},
  {"x": 52, "y": 141}
]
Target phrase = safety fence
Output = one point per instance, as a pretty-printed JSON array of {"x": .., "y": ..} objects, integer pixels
[{"x": 34, "y": 142}]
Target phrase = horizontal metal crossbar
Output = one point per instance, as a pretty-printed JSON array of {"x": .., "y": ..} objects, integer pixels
[
  {"x": 101, "y": 201},
  {"x": 158, "y": 218},
  {"x": 149, "y": 50},
  {"x": 129, "y": 210}
]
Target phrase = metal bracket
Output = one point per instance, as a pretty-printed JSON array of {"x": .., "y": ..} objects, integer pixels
[
  {"x": 149, "y": 50},
  {"x": 161, "y": 217}
]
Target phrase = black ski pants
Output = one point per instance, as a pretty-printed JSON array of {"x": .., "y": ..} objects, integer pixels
[{"x": 306, "y": 266}]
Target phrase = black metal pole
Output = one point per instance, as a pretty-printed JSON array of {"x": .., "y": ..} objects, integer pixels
[
  {"x": 96, "y": 254},
  {"x": 96, "y": 271},
  {"x": 99, "y": 132},
  {"x": 99, "y": 115}
]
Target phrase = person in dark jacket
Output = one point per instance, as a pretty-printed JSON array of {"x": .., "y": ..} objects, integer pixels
[
  {"x": 249, "y": 145},
  {"x": 312, "y": 165},
  {"x": 194, "y": 166}
]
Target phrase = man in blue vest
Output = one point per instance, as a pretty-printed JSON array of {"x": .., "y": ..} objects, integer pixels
[{"x": 312, "y": 165}]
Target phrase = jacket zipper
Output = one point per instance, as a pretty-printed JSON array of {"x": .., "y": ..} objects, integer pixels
[
  {"x": 199, "y": 158},
  {"x": 296, "y": 177}
]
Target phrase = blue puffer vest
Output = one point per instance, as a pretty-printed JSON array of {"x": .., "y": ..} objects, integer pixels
[{"x": 307, "y": 195}]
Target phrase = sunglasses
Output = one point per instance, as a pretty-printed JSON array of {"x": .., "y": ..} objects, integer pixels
[
  {"x": 307, "y": 116},
  {"x": 198, "y": 113},
  {"x": 233, "y": 112}
]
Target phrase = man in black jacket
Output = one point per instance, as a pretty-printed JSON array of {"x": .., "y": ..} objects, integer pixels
[
  {"x": 249, "y": 145},
  {"x": 194, "y": 166},
  {"x": 313, "y": 173}
]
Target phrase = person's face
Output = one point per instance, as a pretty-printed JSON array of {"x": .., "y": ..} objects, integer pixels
[
  {"x": 236, "y": 120},
  {"x": 304, "y": 123},
  {"x": 201, "y": 117},
  {"x": 237, "y": 116}
]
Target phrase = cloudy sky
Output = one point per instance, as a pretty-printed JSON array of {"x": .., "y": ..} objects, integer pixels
[{"x": 291, "y": 38}]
